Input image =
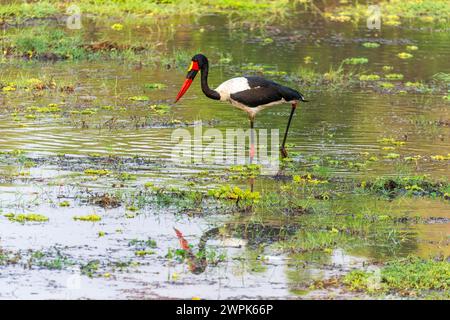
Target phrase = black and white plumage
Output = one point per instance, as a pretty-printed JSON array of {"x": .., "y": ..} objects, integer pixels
[
  {"x": 253, "y": 94},
  {"x": 250, "y": 94}
]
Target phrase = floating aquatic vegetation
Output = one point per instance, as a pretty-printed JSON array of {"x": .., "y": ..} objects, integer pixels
[
  {"x": 137, "y": 243},
  {"x": 89, "y": 217},
  {"x": 51, "y": 108},
  {"x": 109, "y": 108},
  {"x": 143, "y": 253},
  {"x": 90, "y": 269},
  {"x": 275, "y": 73},
  {"x": 228, "y": 192},
  {"x": 392, "y": 156},
  {"x": 413, "y": 84},
  {"x": 155, "y": 86},
  {"x": 132, "y": 208},
  {"x": 253, "y": 67},
  {"x": 160, "y": 108},
  {"x": 405, "y": 55},
  {"x": 388, "y": 68},
  {"x": 391, "y": 141},
  {"x": 117, "y": 26},
  {"x": 418, "y": 86},
  {"x": 413, "y": 188},
  {"x": 371, "y": 44},
  {"x": 50, "y": 260},
  {"x": 355, "y": 61},
  {"x": 64, "y": 204},
  {"x": 394, "y": 76},
  {"x": 307, "y": 179},
  {"x": 29, "y": 217},
  {"x": 88, "y": 111},
  {"x": 94, "y": 155},
  {"x": 307, "y": 60},
  {"x": 369, "y": 77},
  {"x": 96, "y": 172},
  {"x": 412, "y": 48},
  {"x": 392, "y": 20},
  {"x": 439, "y": 157},
  {"x": 9, "y": 88},
  {"x": 149, "y": 185},
  {"x": 338, "y": 17},
  {"x": 139, "y": 98},
  {"x": 245, "y": 171},
  {"x": 125, "y": 176},
  {"x": 356, "y": 165},
  {"x": 14, "y": 153},
  {"x": 386, "y": 85}
]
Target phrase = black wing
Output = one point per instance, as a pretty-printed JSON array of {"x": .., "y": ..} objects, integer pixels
[
  {"x": 263, "y": 92},
  {"x": 257, "y": 96}
]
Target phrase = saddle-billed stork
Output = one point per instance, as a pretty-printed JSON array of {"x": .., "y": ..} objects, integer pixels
[{"x": 250, "y": 94}]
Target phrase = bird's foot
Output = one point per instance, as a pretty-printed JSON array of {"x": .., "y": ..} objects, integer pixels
[{"x": 284, "y": 153}]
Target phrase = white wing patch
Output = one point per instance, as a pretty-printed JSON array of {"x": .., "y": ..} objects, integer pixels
[{"x": 232, "y": 86}]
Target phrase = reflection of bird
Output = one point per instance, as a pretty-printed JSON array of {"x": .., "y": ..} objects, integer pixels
[
  {"x": 197, "y": 263},
  {"x": 251, "y": 94},
  {"x": 255, "y": 234}
]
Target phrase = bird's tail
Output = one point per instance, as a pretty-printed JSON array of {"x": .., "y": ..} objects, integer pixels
[
  {"x": 302, "y": 98},
  {"x": 196, "y": 265}
]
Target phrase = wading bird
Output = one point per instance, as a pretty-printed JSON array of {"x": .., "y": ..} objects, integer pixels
[{"x": 250, "y": 94}]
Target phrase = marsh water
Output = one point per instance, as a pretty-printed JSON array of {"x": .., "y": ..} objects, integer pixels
[{"x": 343, "y": 125}]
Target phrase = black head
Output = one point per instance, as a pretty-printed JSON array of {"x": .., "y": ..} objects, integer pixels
[
  {"x": 198, "y": 62},
  {"x": 200, "y": 59}
]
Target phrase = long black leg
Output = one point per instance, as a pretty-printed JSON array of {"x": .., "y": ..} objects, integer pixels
[
  {"x": 252, "y": 140},
  {"x": 283, "y": 148}
]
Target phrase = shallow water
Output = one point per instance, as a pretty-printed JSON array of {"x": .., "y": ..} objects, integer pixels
[{"x": 339, "y": 125}]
